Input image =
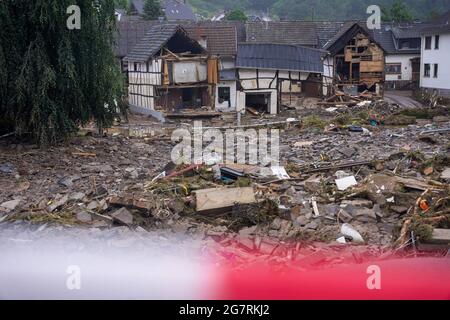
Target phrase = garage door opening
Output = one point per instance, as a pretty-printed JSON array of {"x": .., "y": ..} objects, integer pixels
[{"x": 258, "y": 101}]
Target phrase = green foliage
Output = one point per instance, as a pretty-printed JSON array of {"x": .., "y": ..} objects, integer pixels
[
  {"x": 398, "y": 12},
  {"x": 152, "y": 10},
  {"x": 322, "y": 9},
  {"x": 53, "y": 79},
  {"x": 121, "y": 4},
  {"x": 314, "y": 121},
  {"x": 236, "y": 15}
]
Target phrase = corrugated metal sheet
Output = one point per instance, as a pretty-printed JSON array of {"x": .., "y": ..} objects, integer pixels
[
  {"x": 279, "y": 57},
  {"x": 228, "y": 74}
]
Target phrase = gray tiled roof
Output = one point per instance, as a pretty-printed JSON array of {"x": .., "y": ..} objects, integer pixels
[
  {"x": 439, "y": 25},
  {"x": 302, "y": 33},
  {"x": 279, "y": 57},
  {"x": 326, "y": 30},
  {"x": 155, "y": 39},
  {"x": 138, "y": 5},
  {"x": 221, "y": 39},
  {"x": 177, "y": 10},
  {"x": 129, "y": 32}
]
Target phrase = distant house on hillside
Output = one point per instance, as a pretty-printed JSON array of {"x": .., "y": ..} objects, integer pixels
[
  {"x": 173, "y": 9},
  {"x": 435, "y": 66}
]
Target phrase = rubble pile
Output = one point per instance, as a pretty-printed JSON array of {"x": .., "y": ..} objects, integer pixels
[{"x": 348, "y": 178}]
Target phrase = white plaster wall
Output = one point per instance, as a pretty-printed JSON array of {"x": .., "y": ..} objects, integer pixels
[
  {"x": 405, "y": 60},
  {"x": 227, "y": 63},
  {"x": 328, "y": 74},
  {"x": 270, "y": 81},
  {"x": 142, "y": 83},
  {"x": 441, "y": 57},
  {"x": 224, "y": 105}
]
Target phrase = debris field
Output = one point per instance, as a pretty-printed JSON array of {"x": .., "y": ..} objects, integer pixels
[{"x": 365, "y": 174}]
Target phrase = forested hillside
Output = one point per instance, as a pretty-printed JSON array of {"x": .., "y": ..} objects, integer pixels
[{"x": 319, "y": 9}]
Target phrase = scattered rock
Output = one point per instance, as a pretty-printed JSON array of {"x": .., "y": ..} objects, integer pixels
[
  {"x": 123, "y": 216},
  {"x": 313, "y": 184},
  {"x": 7, "y": 168},
  {"x": 9, "y": 205},
  {"x": 84, "y": 217},
  {"x": 68, "y": 181},
  {"x": 445, "y": 174},
  {"x": 58, "y": 203},
  {"x": 77, "y": 196}
]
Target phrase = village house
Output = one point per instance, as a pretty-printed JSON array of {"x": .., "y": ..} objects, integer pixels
[
  {"x": 168, "y": 71},
  {"x": 354, "y": 59},
  {"x": 355, "y": 63},
  {"x": 220, "y": 39},
  {"x": 402, "y": 45},
  {"x": 435, "y": 66},
  {"x": 266, "y": 71}
]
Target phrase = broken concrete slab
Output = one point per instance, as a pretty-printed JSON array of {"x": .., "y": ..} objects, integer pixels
[
  {"x": 123, "y": 216},
  {"x": 131, "y": 202},
  {"x": 58, "y": 203},
  {"x": 359, "y": 203},
  {"x": 445, "y": 174},
  {"x": 9, "y": 205},
  {"x": 312, "y": 184},
  {"x": 345, "y": 183},
  {"x": 440, "y": 236},
  {"x": 84, "y": 217},
  {"x": 223, "y": 199}
]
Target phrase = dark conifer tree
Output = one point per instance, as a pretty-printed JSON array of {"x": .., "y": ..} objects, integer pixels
[{"x": 53, "y": 79}]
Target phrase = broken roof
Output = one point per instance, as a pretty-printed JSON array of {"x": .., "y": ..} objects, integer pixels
[
  {"x": 279, "y": 57},
  {"x": 156, "y": 38},
  {"x": 302, "y": 33},
  {"x": 347, "y": 32},
  {"x": 222, "y": 36}
]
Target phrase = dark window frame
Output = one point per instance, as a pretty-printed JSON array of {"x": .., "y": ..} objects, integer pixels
[
  {"x": 224, "y": 94},
  {"x": 435, "y": 70},
  {"x": 397, "y": 65},
  {"x": 436, "y": 42},
  {"x": 427, "y": 70},
  {"x": 428, "y": 40}
]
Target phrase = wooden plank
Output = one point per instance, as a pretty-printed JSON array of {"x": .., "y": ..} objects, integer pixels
[
  {"x": 371, "y": 66},
  {"x": 222, "y": 199},
  {"x": 440, "y": 236}
]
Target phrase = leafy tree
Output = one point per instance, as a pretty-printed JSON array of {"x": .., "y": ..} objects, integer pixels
[
  {"x": 400, "y": 12},
  {"x": 53, "y": 79},
  {"x": 236, "y": 15},
  {"x": 152, "y": 10},
  {"x": 121, "y": 4}
]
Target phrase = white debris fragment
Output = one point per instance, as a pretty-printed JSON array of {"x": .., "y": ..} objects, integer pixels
[
  {"x": 280, "y": 172},
  {"x": 347, "y": 230},
  {"x": 341, "y": 240},
  {"x": 345, "y": 183}
]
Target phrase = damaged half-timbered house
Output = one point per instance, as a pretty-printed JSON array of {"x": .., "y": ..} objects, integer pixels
[
  {"x": 356, "y": 62},
  {"x": 168, "y": 71},
  {"x": 266, "y": 72}
]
